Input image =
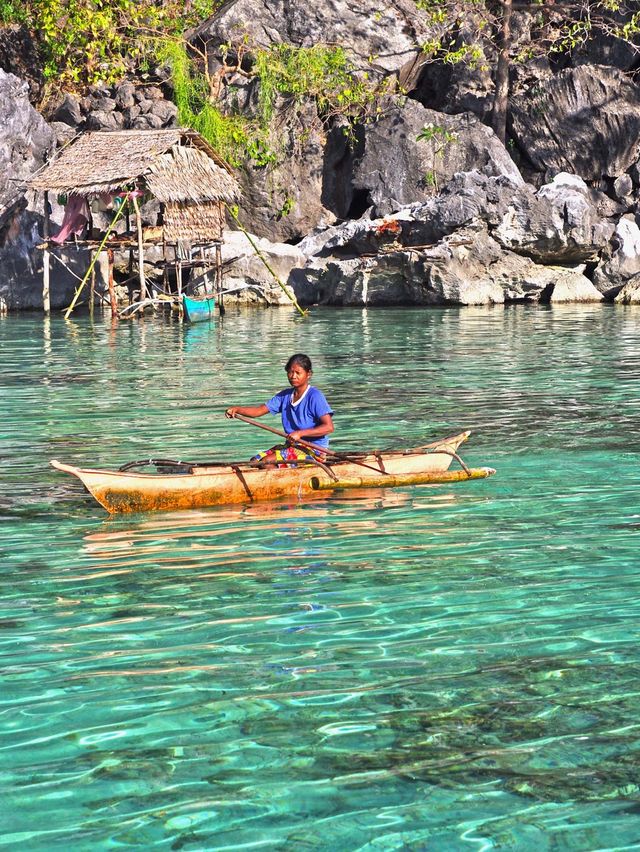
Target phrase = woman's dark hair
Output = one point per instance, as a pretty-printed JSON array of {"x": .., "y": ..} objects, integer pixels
[{"x": 303, "y": 360}]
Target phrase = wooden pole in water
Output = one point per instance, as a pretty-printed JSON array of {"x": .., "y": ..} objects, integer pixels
[
  {"x": 219, "y": 279},
  {"x": 143, "y": 284},
  {"x": 110, "y": 284},
  {"x": 46, "y": 296},
  {"x": 92, "y": 291}
]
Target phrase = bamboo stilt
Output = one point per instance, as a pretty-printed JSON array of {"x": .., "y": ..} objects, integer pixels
[
  {"x": 205, "y": 274},
  {"x": 93, "y": 263}
]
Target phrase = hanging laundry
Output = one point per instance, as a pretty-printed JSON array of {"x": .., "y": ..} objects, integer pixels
[{"x": 76, "y": 218}]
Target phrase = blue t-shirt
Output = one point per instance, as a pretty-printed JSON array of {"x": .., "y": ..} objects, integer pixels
[{"x": 305, "y": 414}]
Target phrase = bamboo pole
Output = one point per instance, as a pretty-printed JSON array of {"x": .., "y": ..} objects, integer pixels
[
  {"x": 320, "y": 483},
  {"x": 93, "y": 261},
  {"x": 46, "y": 269},
  {"x": 143, "y": 284},
  {"x": 291, "y": 298}
]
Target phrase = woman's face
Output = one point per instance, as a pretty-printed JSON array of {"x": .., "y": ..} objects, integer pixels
[{"x": 298, "y": 376}]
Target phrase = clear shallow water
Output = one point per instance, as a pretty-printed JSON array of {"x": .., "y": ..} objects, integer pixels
[{"x": 423, "y": 669}]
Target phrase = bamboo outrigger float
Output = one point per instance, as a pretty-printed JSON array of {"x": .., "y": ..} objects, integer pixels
[{"x": 195, "y": 485}]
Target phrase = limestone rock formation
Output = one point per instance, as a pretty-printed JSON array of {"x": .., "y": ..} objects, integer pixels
[
  {"x": 285, "y": 201},
  {"x": 630, "y": 292},
  {"x": 25, "y": 143},
  {"x": 247, "y": 274},
  {"x": 621, "y": 265},
  {"x": 378, "y": 39},
  {"x": 463, "y": 267},
  {"x": 572, "y": 286},
  {"x": 585, "y": 121},
  {"x": 559, "y": 223},
  {"x": 25, "y": 140},
  {"x": 399, "y": 167},
  {"x": 19, "y": 56}
]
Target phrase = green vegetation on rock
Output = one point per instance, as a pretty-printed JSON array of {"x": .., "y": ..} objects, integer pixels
[
  {"x": 293, "y": 75},
  {"x": 90, "y": 41},
  {"x": 319, "y": 72},
  {"x": 84, "y": 42}
]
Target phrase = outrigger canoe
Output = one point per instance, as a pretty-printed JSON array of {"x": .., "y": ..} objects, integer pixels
[{"x": 185, "y": 485}]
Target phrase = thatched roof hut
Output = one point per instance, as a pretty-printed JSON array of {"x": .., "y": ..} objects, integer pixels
[{"x": 176, "y": 166}]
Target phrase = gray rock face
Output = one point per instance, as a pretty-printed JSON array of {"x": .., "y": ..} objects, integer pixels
[
  {"x": 25, "y": 143},
  {"x": 68, "y": 111},
  {"x": 574, "y": 288},
  {"x": 21, "y": 267},
  {"x": 468, "y": 268},
  {"x": 381, "y": 39},
  {"x": 284, "y": 202},
  {"x": 311, "y": 182},
  {"x": 121, "y": 107},
  {"x": 247, "y": 274},
  {"x": 19, "y": 56},
  {"x": 484, "y": 240},
  {"x": 25, "y": 140},
  {"x": 630, "y": 293},
  {"x": 585, "y": 121},
  {"x": 557, "y": 224},
  {"x": 464, "y": 86},
  {"x": 622, "y": 265},
  {"x": 397, "y": 168}
]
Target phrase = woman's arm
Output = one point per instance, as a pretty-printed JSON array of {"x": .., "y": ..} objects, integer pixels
[
  {"x": 247, "y": 410},
  {"x": 324, "y": 427}
]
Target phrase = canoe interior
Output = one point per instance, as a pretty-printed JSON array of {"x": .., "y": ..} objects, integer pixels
[{"x": 131, "y": 491}]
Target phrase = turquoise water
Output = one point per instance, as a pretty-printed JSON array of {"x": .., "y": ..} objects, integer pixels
[{"x": 448, "y": 668}]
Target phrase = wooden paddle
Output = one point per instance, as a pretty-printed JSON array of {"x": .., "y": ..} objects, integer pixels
[
  {"x": 307, "y": 444},
  {"x": 326, "y": 453}
]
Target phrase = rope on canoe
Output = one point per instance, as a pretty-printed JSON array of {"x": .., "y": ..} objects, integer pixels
[
  {"x": 332, "y": 458},
  {"x": 188, "y": 466}
]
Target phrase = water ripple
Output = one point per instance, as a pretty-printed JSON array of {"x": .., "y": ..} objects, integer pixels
[{"x": 427, "y": 668}]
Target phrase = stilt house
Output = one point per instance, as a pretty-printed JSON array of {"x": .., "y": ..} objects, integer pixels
[{"x": 177, "y": 167}]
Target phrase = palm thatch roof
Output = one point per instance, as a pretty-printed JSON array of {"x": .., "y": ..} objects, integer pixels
[{"x": 176, "y": 165}]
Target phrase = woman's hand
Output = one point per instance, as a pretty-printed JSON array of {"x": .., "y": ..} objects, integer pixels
[
  {"x": 246, "y": 411},
  {"x": 293, "y": 437}
]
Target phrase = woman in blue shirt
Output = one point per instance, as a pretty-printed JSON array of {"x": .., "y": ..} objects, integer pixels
[{"x": 306, "y": 414}]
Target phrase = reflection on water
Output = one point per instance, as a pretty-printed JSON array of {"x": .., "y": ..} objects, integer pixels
[{"x": 426, "y": 668}]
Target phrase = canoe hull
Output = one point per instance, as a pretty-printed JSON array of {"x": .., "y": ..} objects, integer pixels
[
  {"x": 198, "y": 310},
  {"x": 212, "y": 486}
]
